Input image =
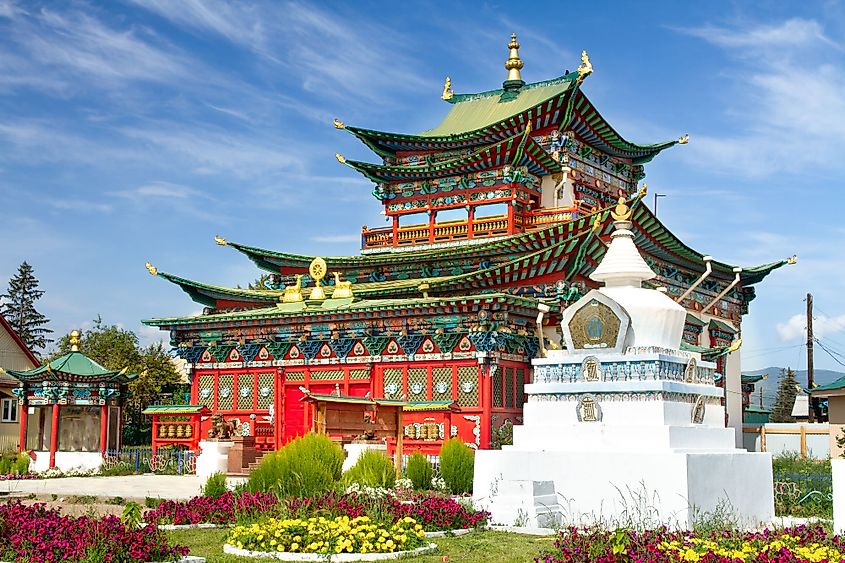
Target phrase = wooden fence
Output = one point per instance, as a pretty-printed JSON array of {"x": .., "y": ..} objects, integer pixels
[{"x": 801, "y": 430}]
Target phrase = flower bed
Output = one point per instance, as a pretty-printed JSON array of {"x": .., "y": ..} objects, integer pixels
[
  {"x": 328, "y": 536},
  {"x": 433, "y": 512},
  {"x": 226, "y": 509},
  {"x": 18, "y": 476},
  {"x": 37, "y": 535},
  {"x": 799, "y": 544}
]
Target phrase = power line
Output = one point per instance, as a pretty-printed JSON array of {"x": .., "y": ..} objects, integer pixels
[{"x": 830, "y": 353}]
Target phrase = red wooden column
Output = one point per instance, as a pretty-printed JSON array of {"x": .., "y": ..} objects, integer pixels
[
  {"x": 470, "y": 221},
  {"x": 395, "y": 239},
  {"x": 432, "y": 219},
  {"x": 485, "y": 401},
  {"x": 511, "y": 226},
  {"x": 104, "y": 428},
  {"x": 54, "y": 435},
  {"x": 23, "y": 408}
]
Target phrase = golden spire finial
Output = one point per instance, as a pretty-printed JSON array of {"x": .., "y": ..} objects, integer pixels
[
  {"x": 74, "y": 341},
  {"x": 514, "y": 64},
  {"x": 447, "y": 90},
  {"x": 684, "y": 140},
  {"x": 586, "y": 68},
  {"x": 220, "y": 240},
  {"x": 340, "y": 158},
  {"x": 338, "y": 124},
  {"x": 621, "y": 212},
  {"x": 151, "y": 269}
]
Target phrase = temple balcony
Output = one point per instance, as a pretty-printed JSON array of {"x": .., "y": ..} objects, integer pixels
[{"x": 435, "y": 232}]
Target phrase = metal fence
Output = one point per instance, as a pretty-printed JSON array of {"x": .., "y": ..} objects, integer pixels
[
  {"x": 142, "y": 460},
  {"x": 803, "y": 488}
]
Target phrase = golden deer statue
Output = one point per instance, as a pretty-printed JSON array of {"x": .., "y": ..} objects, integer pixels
[
  {"x": 342, "y": 289},
  {"x": 293, "y": 293}
]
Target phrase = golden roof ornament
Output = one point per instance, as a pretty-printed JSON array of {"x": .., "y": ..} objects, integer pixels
[
  {"x": 220, "y": 240},
  {"x": 342, "y": 289},
  {"x": 318, "y": 271},
  {"x": 684, "y": 140},
  {"x": 74, "y": 341},
  {"x": 792, "y": 259},
  {"x": 597, "y": 222},
  {"x": 621, "y": 212},
  {"x": 340, "y": 158},
  {"x": 293, "y": 293},
  {"x": 338, "y": 124},
  {"x": 447, "y": 90},
  {"x": 737, "y": 344},
  {"x": 514, "y": 64},
  {"x": 643, "y": 191},
  {"x": 586, "y": 68},
  {"x": 151, "y": 269}
]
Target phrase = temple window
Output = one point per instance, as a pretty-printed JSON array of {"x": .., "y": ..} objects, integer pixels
[{"x": 9, "y": 410}]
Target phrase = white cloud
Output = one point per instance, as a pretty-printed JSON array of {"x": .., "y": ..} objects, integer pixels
[
  {"x": 80, "y": 205},
  {"x": 336, "y": 238},
  {"x": 788, "y": 99},
  {"x": 159, "y": 190},
  {"x": 795, "y": 329}
]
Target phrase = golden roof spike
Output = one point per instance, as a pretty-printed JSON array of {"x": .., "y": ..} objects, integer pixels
[
  {"x": 340, "y": 158},
  {"x": 447, "y": 90},
  {"x": 220, "y": 240},
  {"x": 74, "y": 341},
  {"x": 684, "y": 140},
  {"x": 338, "y": 124},
  {"x": 586, "y": 68},
  {"x": 151, "y": 269},
  {"x": 514, "y": 64}
]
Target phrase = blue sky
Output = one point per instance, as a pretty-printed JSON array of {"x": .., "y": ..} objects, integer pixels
[{"x": 134, "y": 131}]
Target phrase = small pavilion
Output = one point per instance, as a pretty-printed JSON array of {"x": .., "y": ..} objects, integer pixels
[{"x": 70, "y": 410}]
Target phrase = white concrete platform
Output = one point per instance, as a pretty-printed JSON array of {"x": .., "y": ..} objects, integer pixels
[{"x": 173, "y": 487}]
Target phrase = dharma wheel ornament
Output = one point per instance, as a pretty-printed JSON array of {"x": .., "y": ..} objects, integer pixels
[{"x": 318, "y": 271}]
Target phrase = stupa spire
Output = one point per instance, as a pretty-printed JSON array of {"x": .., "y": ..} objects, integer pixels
[
  {"x": 74, "y": 341},
  {"x": 622, "y": 265},
  {"x": 513, "y": 65}
]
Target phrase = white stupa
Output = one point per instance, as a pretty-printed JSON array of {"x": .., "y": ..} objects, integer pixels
[{"x": 622, "y": 424}]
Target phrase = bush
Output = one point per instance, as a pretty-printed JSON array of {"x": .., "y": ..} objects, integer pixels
[
  {"x": 457, "y": 463},
  {"x": 215, "y": 486},
  {"x": 306, "y": 466},
  {"x": 5, "y": 465},
  {"x": 21, "y": 464},
  {"x": 373, "y": 469},
  {"x": 419, "y": 471}
]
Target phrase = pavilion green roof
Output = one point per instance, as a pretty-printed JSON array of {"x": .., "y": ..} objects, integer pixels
[
  {"x": 175, "y": 409},
  {"x": 716, "y": 324},
  {"x": 838, "y": 385},
  {"x": 73, "y": 365}
]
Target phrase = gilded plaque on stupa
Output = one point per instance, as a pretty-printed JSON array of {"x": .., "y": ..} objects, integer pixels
[{"x": 594, "y": 325}]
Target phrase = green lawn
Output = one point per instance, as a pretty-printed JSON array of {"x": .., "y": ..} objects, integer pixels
[{"x": 479, "y": 547}]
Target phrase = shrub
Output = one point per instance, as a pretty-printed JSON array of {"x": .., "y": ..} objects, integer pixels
[
  {"x": 373, "y": 469},
  {"x": 306, "y": 466},
  {"x": 419, "y": 471},
  {"x": 457, "y": 463},
  {"x": 21, "y": 464},
  {"x": 215, "y": 486},
  {"x": 5, "y": 465}
]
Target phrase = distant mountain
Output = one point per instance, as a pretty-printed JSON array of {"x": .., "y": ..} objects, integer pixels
[{"x": 770, "y": 386}]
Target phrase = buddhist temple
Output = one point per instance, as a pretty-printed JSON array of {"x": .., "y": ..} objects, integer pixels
[
  {"x": 70, "y": 410},
  {"x": 497, "y": 214}
]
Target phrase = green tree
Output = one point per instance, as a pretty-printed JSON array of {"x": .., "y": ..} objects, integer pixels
[
  {"x": 116, "y": 348},
  {"x": 787, "y": 391},
  {"x": 17, "y": 306}
]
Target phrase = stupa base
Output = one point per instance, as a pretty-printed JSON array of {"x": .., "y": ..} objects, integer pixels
[{"x": 675, "y": 489}]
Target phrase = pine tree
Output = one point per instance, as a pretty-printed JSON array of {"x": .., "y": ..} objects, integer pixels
[
  {"x": 17, "y": 306},
  {"x": 787, "y": 391}
]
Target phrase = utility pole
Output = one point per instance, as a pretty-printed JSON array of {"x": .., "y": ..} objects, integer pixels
[
  {"x": 657, "y": 195},
  {"x": 811, "y": 415}
]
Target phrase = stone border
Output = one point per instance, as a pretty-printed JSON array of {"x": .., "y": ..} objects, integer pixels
[
  {"x": 338, "y": 557},
  {"x": 200, "y": 526},
  {"x": 184, "y": 559},
  {"x": 449, "y": 533}
]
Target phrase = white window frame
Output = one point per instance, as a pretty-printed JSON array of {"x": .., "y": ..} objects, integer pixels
[{"x": 12, "y": 408}]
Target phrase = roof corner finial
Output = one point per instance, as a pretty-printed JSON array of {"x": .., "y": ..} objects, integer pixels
[
  {"x": 340, "y": 158},
  {"x": 220, "y": 240},
  {"x": 792, "y": 259},
  {"x": 684, "y": 140},
  {"x": 447, "y": 90},
  {"x": 643, "y": 191},
  {"x": 151, "y": 269},
  {"x": 338, "y": 124},
  {"x": 74, "y": 341},
  {"x": 513, "y": 65},
  {"x": 586, "y": 67}
]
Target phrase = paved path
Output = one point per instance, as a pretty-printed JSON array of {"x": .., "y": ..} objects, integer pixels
[{"x": 130, "y": 486}]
